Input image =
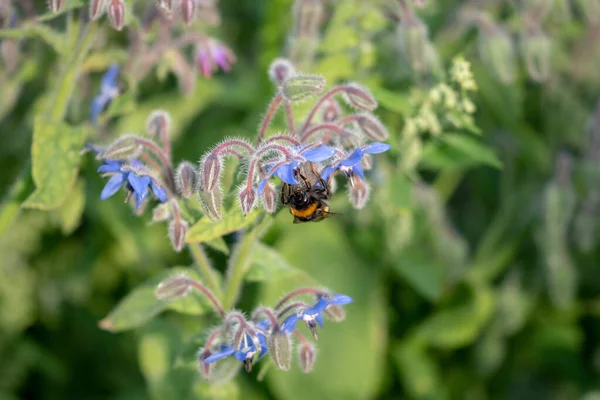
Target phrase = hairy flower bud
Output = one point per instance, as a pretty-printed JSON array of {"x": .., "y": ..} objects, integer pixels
[
  {"x": 173, "y": 287},
  {"x": 359, "y": 192},
  {"x": 158, "y": 123},
  {"x": 269, "y": 198},
  {"x": 372, "y": 127},
  {"x": 187, "y": 10},
  {"x": 306, "y": 355},
  {"x": 247, "y": 198},
  {"x": 331, "y": 111},
  {"x": 536, "y": 52},
  {"x": 185, "y": 179},
  {"x": 280, "y": 348},
  {"x": 55, "y": 5},
  {"x": 302, "y": 86},
  {"x": 97, "y": 8},
  {"x": 210, "y": 172},
  {"x": 165, "y": 5},
  {"x": 414, "y": 40},
  {"x": 497, "y": 52},
  {"x": 280, "y": 70},
  {"x": 335, "y": 313},
  {"x": 116, "y": 14},
  {"x": 162, "y": 212},
  {"x": 211, "y": 203},
  {"x": 125, "y": 147},
  {"x": 359, "y": 97},
  {"x": 204, "y": 368},
  {"x": 177, "y": 231}
]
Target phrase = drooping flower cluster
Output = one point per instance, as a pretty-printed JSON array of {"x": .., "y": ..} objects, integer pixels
[
  {"x": 335, "y": 143},
  {"x": 269, "y": 331}
]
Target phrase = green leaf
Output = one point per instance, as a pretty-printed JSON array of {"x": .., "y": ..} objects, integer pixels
[
  {"x": 472, "y": 148},
  {"x": 267, "y": 263},
  {"x": 396, "y": 102},
  {"x": 418, "y": 370},
  {"x": 34, "y": 30},
  {"x": 458, "y": 151},
  {"x": 218, "y": 244},
  {"x": 207, "y": 229},
  {"x": 69, "y": 214},
  {"x": 422, "y": 273},
  {"x": 141, "y": 305},
  {"x": 55, "y": 158}
]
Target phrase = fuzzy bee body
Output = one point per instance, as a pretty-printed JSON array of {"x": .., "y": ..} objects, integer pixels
[{"x": 308, "y": 199}]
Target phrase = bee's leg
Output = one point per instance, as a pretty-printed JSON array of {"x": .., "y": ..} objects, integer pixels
[
  {"x": 308, "y": 186},
  {"x": 284, "y": 195}
]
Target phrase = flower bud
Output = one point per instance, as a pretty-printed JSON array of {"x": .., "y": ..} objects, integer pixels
[
  {"x": 331, "y": 111},
  {"x": 269, "y": 198},
  {"x": 414, "y": 38},
  {"x": 125, "y": 147},
  {"x": 280, "y": 70},
  {"x": 165, "y": 5},
  {"x": 177, "y": 231},
  {"x": 211, "y": 203},
  {"x": 335, "y": 313},
  {"x": 204, "y": 368},
  {"x": 280, "y": 348},
  {"x": 55, "y": 5},
  {"x": 187, "y": 10},
  {"x": 367, "y": 161},
  {"x": 162, "y": 212},
  {"x": 359, "y": 97},
  {"x": 359, "y": 192},
  {"x": 372, "y": 127},
  {"x": 173, "y": 287},
  {"x": 302, "y": 86},
  {"x": 97, "y": 8},
  {"x": 536, "y": 52},
  {"x": 306, "y": 355},
  {"x": 185, "y": 179},
  {"x": 116, "y": 14},
  {"x": 247, "y": 198},
  {"x": 497, "y": 52},
  {"x": 210, "y": 172},
  {"x": 158, "y": 123}
]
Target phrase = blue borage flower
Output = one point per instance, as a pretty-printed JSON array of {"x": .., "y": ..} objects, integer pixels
[
  {"x": 136, "y": 184},
  {"x": 314, "y": 313},
  {"x": 285, "y": 170},
  {"x": 247, "y": 350},
  {"x": 109, "y": 90},
  {"x": 352, "y": 163}
]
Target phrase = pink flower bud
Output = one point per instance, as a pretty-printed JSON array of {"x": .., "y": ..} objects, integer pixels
[
  {"x": 158, "y": 123},
  {"x": 372, "y": 127},
  {"x": 116, "y": 14},
  {"x": 306, "y": 355},
  {"x": 280, "y": 348},
  {"x": 187, "y": 10},
  {"x": 55, "y": 5},
  {"x": 331, "y": 111},
  {"x": 210, "y": 172},
  {"x": 247, "y": 198},
  {"x": 269, "y": 198},
  {"x": 185, "y": 179},
  {"x": 97, "y": 8},
  {"x": 359, "y": 97},
  {"x": 177, "y": 231},
  {"x": 359, "y": 192},
  {"x": 173, "y": 287},
  {"x": 280, "y": 70},
  {"x": 211, "y": 203}
]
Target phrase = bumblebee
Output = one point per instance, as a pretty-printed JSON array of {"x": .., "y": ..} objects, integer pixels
[{"x": 308, "y": 199}]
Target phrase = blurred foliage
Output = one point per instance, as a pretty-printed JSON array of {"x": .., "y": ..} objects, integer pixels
[{"x": 472, "y": 267}]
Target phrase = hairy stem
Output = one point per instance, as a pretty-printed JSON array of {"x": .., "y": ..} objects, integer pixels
[
  {"x": 268, "y": 117},
  {"x": 206, "y": 270}
]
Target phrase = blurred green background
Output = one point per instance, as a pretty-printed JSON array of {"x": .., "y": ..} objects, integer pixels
[{"x": 473, "y": 268}]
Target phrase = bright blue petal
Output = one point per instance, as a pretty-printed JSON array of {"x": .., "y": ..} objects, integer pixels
[
  {"x": 139, "y": 184},
  {"x": 111, "y": 187},
  {"x": 376, "y": 148},
  {"x": 286, "y": 173},
  {"x": 319, "y": 154},
  {"x": 264, "y": 324},
  {"x": 341, "y": 299},
  {"x": 318, "y": 307},
  {"x": 110, "y": 166},
  {"x": 261, "y": 186},
  {"x": 160, "y": 193},
  {"x": 353, "y": 158},
  {"x": 136, "y": 163},
  {"x": 358, "y": 170},
  {"x": 109, "y": 79},
  {"x": 328, "y": 171},
  {"x": 226, "y": 351},
  {"x": 289, "y": 325}
]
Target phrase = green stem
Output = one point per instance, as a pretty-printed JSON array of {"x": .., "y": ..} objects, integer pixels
[
  {"x": 238, "y": 266},
  {"x": 447, "y": 182},
  {"x": 207, "y": 272}
]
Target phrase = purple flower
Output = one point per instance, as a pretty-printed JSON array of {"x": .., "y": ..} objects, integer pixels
[
  {"x": 314, "y": 313},
  {"x": 109, "y": 89},
  {"x": 286, "y": 170},
  {"x": 212, "y": 55},
  {"x": 247, "y": 350},
  {"x": 136, "y": 185},
  {"x": 351, "y": 164}
]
